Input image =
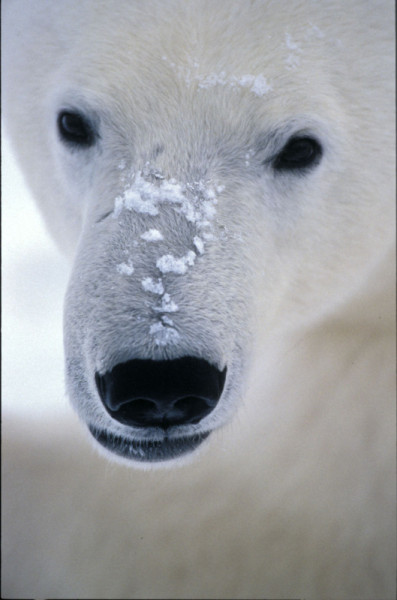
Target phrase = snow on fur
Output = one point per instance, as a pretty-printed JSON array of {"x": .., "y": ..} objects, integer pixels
[{"x": 144, "y": 193}]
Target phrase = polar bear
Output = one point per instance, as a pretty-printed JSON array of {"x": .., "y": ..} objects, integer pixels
[{"x": 221, "y": 176}]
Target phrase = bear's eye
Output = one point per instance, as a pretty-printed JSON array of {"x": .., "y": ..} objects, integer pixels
[
  {"x": 75, "y": 129},
  {"x": 298, "y": 153}
]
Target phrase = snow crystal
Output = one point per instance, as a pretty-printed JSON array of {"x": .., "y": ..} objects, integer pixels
[
  {"x": 132, "y": 200},
  {"x": 212, "y": 80},
  {"x": 246, "y": 80},
  {"x": 125, "y": 268},
  {"x": 167, "y": 305},
  {"x": 164, "y": 334},
  {"x": 196, "y": 201},
  {"x": 149, "y": 285},
  {"x": 167, "y": 321},
  {"x": 260, "y": 86},
  {"x": 289, "y": 43},
  {"x": 169, "y": 264},
  {"x": 256, "y": 84},
  {"x": 198, "y": 242},
  {"x": 143, "y": 196},
  {"x": 152, "y": 235},
  {"x": 293, "y": 60},
  {"x": 209, "y": 209},
  {"x": 199, "y": 207},
  {"x": 314, "y": 31},
  {"x": 171, "y": 191}
]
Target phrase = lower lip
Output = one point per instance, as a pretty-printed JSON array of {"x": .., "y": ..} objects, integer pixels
[{"x": 146, "y": 450}]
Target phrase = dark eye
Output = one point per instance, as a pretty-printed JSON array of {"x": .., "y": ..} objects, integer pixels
[
  {"x": 298, "y": 153},
  {"x": 75, "y": 129}
]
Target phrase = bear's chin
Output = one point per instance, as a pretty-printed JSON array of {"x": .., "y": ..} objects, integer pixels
[{"x": 148, "y": 451}]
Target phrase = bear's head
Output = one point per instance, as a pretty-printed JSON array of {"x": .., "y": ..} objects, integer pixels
[{"x": 212, "y": 180}]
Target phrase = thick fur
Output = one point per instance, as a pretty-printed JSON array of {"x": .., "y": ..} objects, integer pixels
[{"x": 291, "y": 288}]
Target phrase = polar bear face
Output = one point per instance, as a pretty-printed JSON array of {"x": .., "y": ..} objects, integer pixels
[
  {"x": 162, "y": 304},
  {"x": 206, "y": 174}
]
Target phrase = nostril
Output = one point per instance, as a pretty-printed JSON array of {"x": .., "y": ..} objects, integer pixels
[
  {"x": 147, "y": 393},
  {"x": 141, "y": 409},
  {"x": 192, "y": 409},
  {"x": 147, "y": 413}
]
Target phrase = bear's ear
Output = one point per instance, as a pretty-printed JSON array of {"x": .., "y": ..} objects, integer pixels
[
  {"x": 299, "y": 153},
  {"x": 75, "y": 128}
]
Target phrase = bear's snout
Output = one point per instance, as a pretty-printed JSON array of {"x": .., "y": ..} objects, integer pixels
[{"x": 161, "y": 393}]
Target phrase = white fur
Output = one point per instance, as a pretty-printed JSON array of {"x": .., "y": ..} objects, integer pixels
[{"x": 285, "y": 278}]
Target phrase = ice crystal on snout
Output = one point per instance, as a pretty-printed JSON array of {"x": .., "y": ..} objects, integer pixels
[
  {"x": 199, "y": 244},
  {"x": 196, "y": 201},
  {"x": 167, "y": 305},
  {"x": 167, "y": 321},
  {"x": 145, "y": 192},
  {"x": 134, "y": 200},
  {"x": 169, "y": 264},
  {"x": 125, "y": 268},
  {"x": 152, "y": 235},
  {"x": 163, "y": 334},
  {"x": 143, "y": 196},
  {"x": 149, "y": 285}
]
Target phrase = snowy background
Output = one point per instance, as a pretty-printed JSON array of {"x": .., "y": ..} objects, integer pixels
[{"x": 34, "y": 277}]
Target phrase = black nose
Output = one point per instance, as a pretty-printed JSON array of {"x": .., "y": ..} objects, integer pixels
[{"x": 151, "y": 393}]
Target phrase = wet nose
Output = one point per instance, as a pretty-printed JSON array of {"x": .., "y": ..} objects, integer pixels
[{"x": 151, "y": 393}]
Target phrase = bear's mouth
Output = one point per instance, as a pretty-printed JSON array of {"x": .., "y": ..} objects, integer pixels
[{"x": 148, "y": 450}]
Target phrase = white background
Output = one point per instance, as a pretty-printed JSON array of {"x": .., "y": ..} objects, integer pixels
[{"x": 34, "y": 277}]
